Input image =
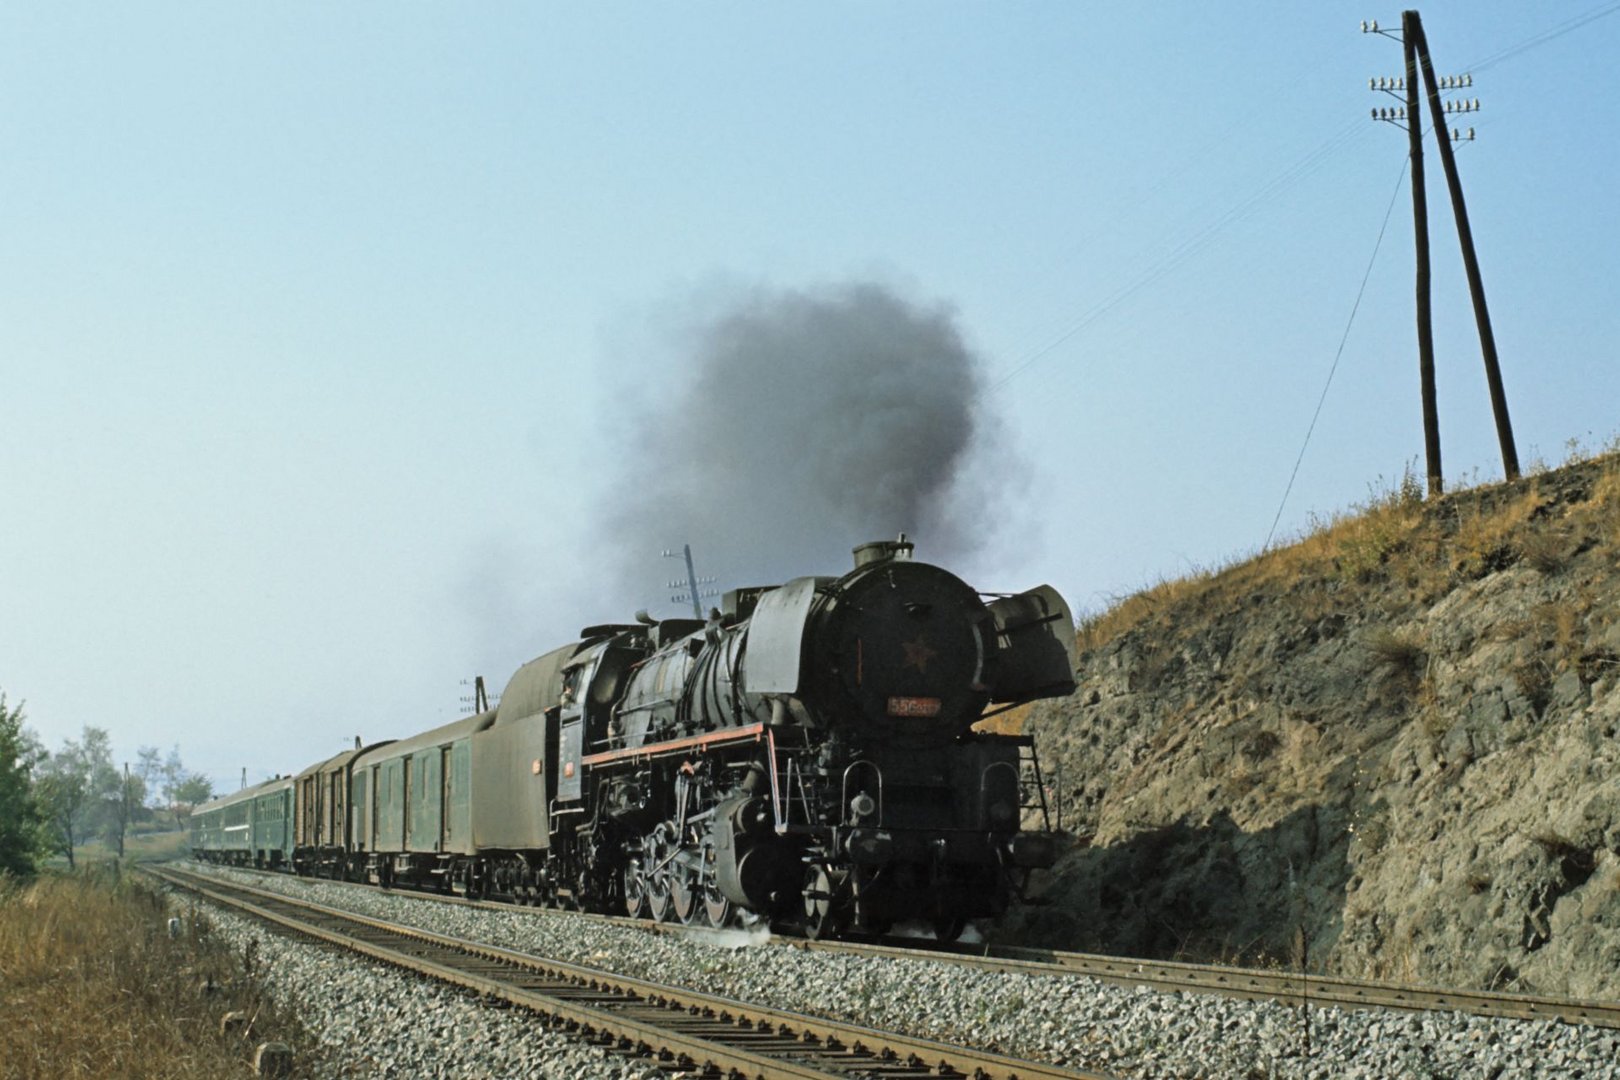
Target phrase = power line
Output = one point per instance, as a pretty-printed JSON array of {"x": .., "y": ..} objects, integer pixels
[
  {"x": 1299, "y": 170},
  {"x": 1565, "y": 27},
  {"x": 1382, "y": 229},
  {"x": 1292, "y": 174}
]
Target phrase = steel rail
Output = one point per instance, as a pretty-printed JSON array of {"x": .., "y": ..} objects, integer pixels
[
  {"x": 668, "y": 1023},
  {"x": 1253, "y": 984}
]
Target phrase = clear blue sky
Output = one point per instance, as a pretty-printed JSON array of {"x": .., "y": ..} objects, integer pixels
[{"x": 318, "y": 321}]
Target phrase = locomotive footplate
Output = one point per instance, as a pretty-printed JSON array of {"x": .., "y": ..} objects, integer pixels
[{"x": 870, "y": 846}]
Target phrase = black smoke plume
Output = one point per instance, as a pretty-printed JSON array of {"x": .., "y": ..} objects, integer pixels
[{"x": 799, "y": 424}]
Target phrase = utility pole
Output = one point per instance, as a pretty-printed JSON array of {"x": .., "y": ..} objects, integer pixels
[
  {"x": 123, "y": 820},
  {"x": 1420, "y": 236},
  {"x": 691, "y": 584},
  {"x": 1465, "y": 236},
  {"x": 1410, "y": 116},
  {"x": 478, "y": 701}
]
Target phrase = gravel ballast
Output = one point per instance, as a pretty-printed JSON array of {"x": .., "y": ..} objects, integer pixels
[
  {"x": 404, "y": 1027},
  {"x": 375, "y": 1021}
]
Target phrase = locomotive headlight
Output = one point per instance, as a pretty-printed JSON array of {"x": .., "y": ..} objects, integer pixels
[
  {"x": 862, "y": 806},
  {"x": 1002, "y": 813}
]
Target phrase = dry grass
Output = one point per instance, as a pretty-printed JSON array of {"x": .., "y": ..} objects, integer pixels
[
  {"x": 1009, "y": 722},
  {"x": 92, "y": 986},
  {"x": 1401, "y": 654},
  {"x": 1546, "y": 551},
  {"x": 1606, "y": 492},
  {"x": 1484, "y": 538},
  {"x": 1395, "y": 537},
  {"x": 1145, "y": 608}
]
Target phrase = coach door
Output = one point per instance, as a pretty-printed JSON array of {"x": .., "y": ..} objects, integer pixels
[
  {"x": 429, "y": 832},
  {"x": 446, "y": 805},
  {"x": 374, "y": 819},
  {"x": 337, "y": 811},
  {"x": 409, "y": 803}
]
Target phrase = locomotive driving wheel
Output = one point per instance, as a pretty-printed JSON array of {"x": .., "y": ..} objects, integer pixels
[
  {"x": 635, "y": 890},
  {"x": 655, "y": 849},
  {"x": 685, "y": 893},
  {"x": 716, "y": 905}
]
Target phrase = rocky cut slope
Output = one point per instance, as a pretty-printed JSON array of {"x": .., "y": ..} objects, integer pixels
[{"x": 1391, "y": 749}]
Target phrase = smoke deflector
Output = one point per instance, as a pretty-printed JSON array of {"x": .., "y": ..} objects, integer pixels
[{"x": 1035, "y": 635}]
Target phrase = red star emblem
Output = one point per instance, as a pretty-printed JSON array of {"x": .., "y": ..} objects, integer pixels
[{"x": 917, "y": 654}]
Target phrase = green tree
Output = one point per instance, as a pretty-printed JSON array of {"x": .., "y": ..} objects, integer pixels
[
  {"x": 180, "y": 790},
  {"x": 20, "y": 816},
  {"x": 63, "y": 790},
  {"x": 149, "y": 767},
  {"x": 121, "y": 802},
  {"x": 192, "y": 790},
  {"x": 73, "y": 788}
]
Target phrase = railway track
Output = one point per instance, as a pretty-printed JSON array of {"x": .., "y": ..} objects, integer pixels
[
  {"x": 1169, "y": 976},
  {"x": 1252, "y": 983},
  {"x": 674, "y": 1026}
]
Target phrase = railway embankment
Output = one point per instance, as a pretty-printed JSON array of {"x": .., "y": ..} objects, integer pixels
[{"x": 1389, "y": 749}]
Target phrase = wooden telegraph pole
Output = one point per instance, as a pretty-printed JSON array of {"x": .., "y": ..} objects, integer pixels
[
  {"x": 1416, "y": 48},
  {"x": 1420, "y": 235},
  {"x": 1413, "y": 31}
]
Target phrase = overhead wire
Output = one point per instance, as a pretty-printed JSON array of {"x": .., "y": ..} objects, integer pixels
[
  {"x": 1343, "y": 339},
  {"x": 1532, "y": 42},
  {"x": 1565, "y": 27},
  {"x": 1111, "y": 219},
  {"x": 1302, "y": 168},
  {"x": 1295, "y": 172}
]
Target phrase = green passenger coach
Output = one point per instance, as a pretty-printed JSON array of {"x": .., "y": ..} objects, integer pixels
[{"x": 251, "y": 827}]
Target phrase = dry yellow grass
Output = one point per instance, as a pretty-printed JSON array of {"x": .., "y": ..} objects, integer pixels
[
  {"x": 93, "y": 988},
  {"x": 1484, "y": 536},
  {"x": 1395, "y": 536},
  {"x": 1010, "y": 722}
]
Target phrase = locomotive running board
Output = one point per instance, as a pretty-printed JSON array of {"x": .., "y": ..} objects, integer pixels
[{"x": 726, "y": 737}]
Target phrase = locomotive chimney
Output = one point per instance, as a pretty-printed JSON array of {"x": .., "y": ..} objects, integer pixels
[{"x": 878, "y": 550}]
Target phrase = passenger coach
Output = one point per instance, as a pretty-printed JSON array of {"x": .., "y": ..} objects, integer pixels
[{"x": 251, "y": 827}]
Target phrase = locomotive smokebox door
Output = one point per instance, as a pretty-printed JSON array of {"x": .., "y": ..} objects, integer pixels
[
  {"x": 1035, "y": 646},
  {"x": 570, "y": 749}
]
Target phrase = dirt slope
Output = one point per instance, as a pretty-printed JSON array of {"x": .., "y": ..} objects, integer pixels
[{"x": 1389, "y": 749}]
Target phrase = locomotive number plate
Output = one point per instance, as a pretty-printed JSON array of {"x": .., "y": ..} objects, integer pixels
[{"x": 914, "y": 706}]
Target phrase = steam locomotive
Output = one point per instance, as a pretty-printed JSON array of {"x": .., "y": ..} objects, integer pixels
[{"x": 805, "y": 755}]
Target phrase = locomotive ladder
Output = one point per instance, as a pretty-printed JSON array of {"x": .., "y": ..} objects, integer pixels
[
  {"x": 793, "y": 796},
  {"x": 1030, "y": 780}
]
